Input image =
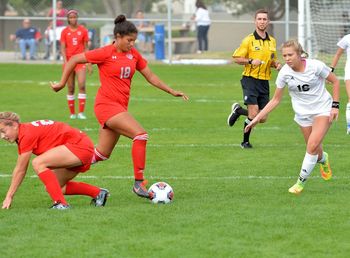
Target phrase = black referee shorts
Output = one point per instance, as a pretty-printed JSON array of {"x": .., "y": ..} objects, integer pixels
[{"x": 255, "y": 91}]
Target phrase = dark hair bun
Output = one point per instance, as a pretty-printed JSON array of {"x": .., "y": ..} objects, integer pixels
[{"x": 121, "y": 18}]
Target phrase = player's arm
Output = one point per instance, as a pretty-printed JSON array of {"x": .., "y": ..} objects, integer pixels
[
  {"x": 332, "y": 78},
  {"x": 68, "y": 69},
  {"x": 88, "y": 65},
  {"x": 336, "y": 58},
  {"x": 156, "y": 82},
  {"x": 18, "y": 175},
  {"x": 246, "y": 61},
  {"x": 276, "y": 64},
  {"x": 276, "y": 99}
]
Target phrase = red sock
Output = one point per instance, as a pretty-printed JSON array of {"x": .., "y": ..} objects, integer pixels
[
  {"x": 138, "y": 153},
  {"x": 71, "y": 104},
  {"x": 82, "y": 100},
  {"x": 53, "y": 187},
  {"x": 80, "y": 188},
  {"x": 98, "y": 156}
]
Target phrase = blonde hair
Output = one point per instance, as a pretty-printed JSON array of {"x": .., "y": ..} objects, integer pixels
[
  {"x": 8, "y": 118},
  {"x": 296, "y": 45}
]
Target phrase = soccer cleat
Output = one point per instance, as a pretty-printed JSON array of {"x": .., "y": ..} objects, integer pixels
[
  {"x": 81, "y": 116},
  {"x": 59, "y": 206},
  {"x": 325, "y": 168},
  {"x": 101, "y": 199},
  {"x": 73, "y": 116},
  {"x": 140, "y": 188},
  {"x": 246, "y": 145},
  {"x": 232, "y": 118},
  {"x": 297, "y": 188}
]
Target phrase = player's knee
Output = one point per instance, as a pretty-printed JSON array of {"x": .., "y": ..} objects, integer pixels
[
  {"x": 38, "y": 165},
  {"x": 312, "y": 146}
]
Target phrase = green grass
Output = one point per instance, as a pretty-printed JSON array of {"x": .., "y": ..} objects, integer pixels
[{"x": 228, "y": 202}]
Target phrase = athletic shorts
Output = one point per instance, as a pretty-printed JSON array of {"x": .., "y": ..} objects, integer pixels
[
  {"x": 84, "y": 150},
  {"x": 308, "y": 120},
  {"x": 255, "y": 91},
  {"x": 105, "y": 109}
]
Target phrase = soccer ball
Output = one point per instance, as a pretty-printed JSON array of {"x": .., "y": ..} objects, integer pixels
[{"x": 161, "y": 192}]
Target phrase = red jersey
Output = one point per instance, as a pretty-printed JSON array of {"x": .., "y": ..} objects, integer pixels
[
  {"x": 74, "y": 40},
  {"x": 116, "y": 71},
  {"x": 43, "y": 135}
]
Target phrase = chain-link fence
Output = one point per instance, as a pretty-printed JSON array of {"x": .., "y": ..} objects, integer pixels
[{"x": 48, "y": 16}]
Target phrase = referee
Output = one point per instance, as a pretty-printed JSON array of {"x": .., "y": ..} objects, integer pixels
[{"x": 257, "y": 53}]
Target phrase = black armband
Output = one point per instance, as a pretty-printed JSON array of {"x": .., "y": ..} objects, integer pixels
[
  {"x": 332, "y": 69},
  {"x": 335, "y": 104}
]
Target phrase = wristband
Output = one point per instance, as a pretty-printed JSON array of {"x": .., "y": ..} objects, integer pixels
[
  {"x": 250, "y": 61},
  {"x": 332, "y": 69},
  {"x": 335, "y": 104}
]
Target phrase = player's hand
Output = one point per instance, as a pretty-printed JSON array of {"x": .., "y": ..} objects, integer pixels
[
  {"x": 334, "y": 115},
  {"x": 56, "y": 86},
  {"x": 176, "y": 93},
  {"x": 257, "y": 62},
  {"x": 7, "y": 203},
  {"x": 251, "y": 125},
  {"x": 278, "y": 66}
]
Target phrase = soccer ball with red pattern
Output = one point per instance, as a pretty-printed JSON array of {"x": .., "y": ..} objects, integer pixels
[{"x": 161, "y": 192}]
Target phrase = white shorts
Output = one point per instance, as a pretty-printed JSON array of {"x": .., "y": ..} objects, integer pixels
[{"x": 308, "y": 120}]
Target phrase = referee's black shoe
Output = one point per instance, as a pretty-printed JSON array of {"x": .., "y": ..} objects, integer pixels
[
  {"x": 232, "y": 118},
  {"x": 246, "y": 145}
]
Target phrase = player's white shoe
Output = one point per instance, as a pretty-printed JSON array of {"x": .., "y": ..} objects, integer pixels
[{"x": 81, "y": 116}]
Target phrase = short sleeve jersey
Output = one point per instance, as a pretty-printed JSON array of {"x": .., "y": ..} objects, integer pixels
[
  {"x": 74, "y": 40},
  {"x": 344, "y": 43},
  {"x": 43, "y": 135},
  {"x": 254, "y": 47},
  {"x": 116, "y": 71},
  {"x": 307, "y": 89}
]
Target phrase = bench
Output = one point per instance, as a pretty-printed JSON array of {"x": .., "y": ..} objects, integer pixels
[{"x": 183, "y": 44}]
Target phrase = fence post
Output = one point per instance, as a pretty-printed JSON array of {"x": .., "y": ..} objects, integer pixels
[{"x": 159, "y": 41}]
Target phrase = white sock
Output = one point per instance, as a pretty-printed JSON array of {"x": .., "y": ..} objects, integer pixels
[
  {"x": 348, "y": 114},
  {"x": 308, "y": 165}
]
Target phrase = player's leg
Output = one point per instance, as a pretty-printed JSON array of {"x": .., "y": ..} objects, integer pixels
[
  {"x": 125, "y": 124},
  {"x": 81, "y": 78},
  {"x": 107, "y": 139},
  {"x": 58, "y": 157},
  {"x": 347, "y": 85},
  {"x": 70, "y": 95}
]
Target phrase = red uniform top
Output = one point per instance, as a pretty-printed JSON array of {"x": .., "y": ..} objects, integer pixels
[
  {"x": 116, "y": 71},
  {"x": 74, "y": 40},
  {"x": 43, "y": 135}
]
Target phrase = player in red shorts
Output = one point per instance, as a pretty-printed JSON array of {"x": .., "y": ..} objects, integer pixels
[
  {"x": 62, "y": 152},
  {"x": 74, "y": 40},
  {"x": 117, "y": 64}
]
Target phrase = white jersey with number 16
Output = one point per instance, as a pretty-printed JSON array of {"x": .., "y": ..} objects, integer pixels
[{"x": 307, "y": 89}]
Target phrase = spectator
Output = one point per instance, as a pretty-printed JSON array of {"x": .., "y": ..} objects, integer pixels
[
  {"x": 61, "y": 14},
  {"x": 202, "y": 19},
  {"x": 28, "y": 36},
  {"x": 144, "y": 38}
]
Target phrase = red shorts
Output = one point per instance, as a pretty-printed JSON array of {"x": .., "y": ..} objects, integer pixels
[
  {"x": 84, "y": 150},
  {"x": 105, "y": 109}
]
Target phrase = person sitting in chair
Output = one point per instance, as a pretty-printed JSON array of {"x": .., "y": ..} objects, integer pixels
[{"x": 27, "y": 36}]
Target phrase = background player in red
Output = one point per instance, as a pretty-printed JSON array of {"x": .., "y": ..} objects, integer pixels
[
  {"x": 74, "y": 40},
  {"x": 117, "y": 64},
  {"x": 62, "y": 152}
]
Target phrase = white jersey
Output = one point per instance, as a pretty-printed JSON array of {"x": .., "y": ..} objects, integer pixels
[
  {"x": 344, "y": 43},
  {"x": 307, "y": 89}
]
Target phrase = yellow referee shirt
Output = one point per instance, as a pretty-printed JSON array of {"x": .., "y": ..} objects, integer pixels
[{"x": 254, "y": 47}]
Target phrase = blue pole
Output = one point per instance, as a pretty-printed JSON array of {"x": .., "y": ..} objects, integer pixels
[{"x": 159, "y": 41}]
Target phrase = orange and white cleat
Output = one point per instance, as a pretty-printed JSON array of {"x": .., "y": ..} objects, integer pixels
[{"x": 325, "y": 169}]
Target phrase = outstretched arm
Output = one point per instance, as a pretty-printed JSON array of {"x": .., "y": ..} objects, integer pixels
[
  {"x": 156, "y": 82},
  {"x": 17, "y": 177},
  {"x": 68, "y": 69},
  {"x": 276, "y": 99}
]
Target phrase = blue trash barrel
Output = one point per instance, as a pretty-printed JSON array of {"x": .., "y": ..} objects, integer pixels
[{"x": 159, "y": 41}]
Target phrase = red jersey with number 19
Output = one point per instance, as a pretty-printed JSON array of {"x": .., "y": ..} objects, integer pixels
[{"x": 74, "y": 40}]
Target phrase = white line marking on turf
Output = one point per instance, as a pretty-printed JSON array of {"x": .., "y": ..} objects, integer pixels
[{"x": 247, "y": 177}]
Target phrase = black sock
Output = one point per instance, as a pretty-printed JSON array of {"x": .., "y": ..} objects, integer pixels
[
  {"x": 246, "y": 135},
  {"x": 242, "y": 111}
]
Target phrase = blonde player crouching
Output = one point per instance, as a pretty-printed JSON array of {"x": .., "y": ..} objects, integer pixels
[{"x": 314, "y": 107}]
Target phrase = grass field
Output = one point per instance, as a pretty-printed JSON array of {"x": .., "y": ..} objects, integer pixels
[{"x": 228, "y": 202}]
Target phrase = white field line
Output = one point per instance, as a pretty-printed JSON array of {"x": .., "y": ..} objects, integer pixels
[{"x": 189, "y": 178}]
